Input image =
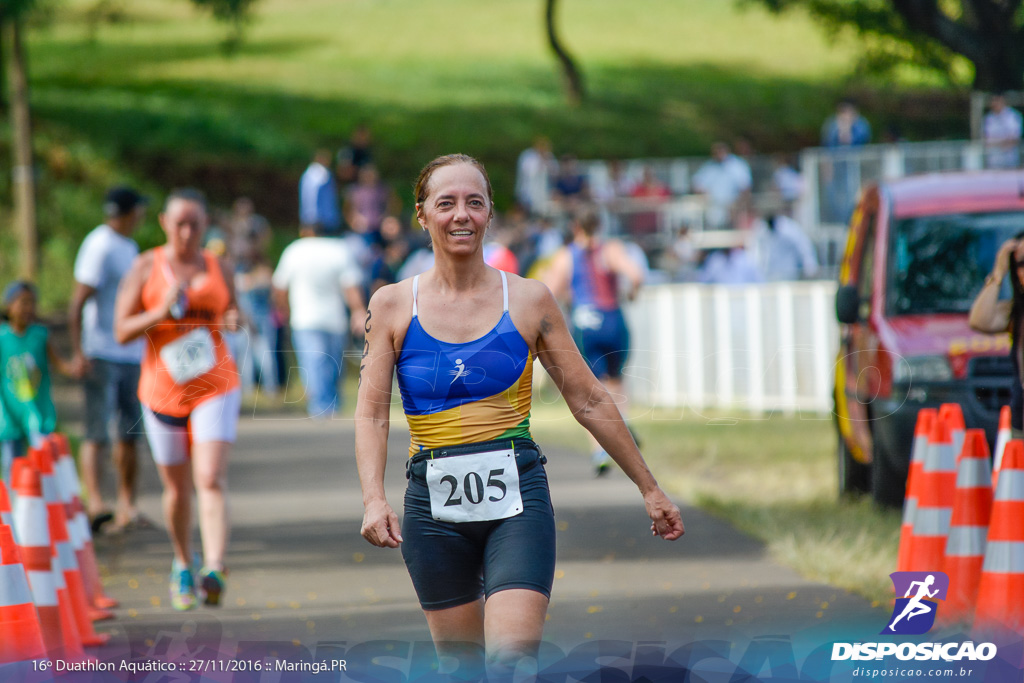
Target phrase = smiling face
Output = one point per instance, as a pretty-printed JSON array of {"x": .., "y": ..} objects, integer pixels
[
  {"x": 457, "y": 209},
  {"x": 184, "y": 222}
]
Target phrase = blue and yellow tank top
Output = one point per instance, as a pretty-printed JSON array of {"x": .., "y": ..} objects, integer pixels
[{"x": 465, "y": 393}]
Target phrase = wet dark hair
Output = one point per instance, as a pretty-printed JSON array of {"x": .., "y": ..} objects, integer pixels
[
  {"x": 587, "y": 220},
  {"x": 450, "y": 160},
  {"x": 189, "y": 194},
  {"x": 1017, "y": 308}
]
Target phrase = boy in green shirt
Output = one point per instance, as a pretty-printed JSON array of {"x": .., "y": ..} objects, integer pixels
[{"x": 27, "y": 413}]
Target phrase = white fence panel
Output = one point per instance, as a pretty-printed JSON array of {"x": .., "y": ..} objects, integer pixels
[{"x": 758, "y": 348}]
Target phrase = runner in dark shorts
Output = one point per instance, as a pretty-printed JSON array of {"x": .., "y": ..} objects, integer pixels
[{"x": 478, "y": 534}]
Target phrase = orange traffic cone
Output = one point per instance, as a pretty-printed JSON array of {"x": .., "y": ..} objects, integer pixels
[
  {"x": 22, "y": 636},
  {"x": 997, "y": 465},
  {"x": 954, "y": 417},
  {"x": 972, "y": 507},
  {"x": 935, "y": 505},
  {"x": 79, "y": 530},
  {"x": 64, "y": 552},
  {"x": 1001, "y": 590},
  {"x": 6, "y": 516},
  {"x": 925, "y": 418},
  {"x": 1003, "y": 437},
  {"x": 33, "y": 534}
]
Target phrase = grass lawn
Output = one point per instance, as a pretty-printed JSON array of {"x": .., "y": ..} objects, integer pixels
[
  {"x": 774, "y": 478},
  {"x": 152, "y": 99}
]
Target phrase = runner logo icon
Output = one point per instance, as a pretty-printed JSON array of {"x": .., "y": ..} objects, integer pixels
[
  {"x": 459, "y": 370},
  {"x": 914, "y": 613}
]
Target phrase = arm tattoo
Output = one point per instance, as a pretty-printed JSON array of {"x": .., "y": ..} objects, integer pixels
[
  {"x": 366, "y": 347},
  {"x": 545, "y": 325}
]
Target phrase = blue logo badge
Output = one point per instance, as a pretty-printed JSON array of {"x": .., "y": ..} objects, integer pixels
[{"x": 914, "y": 613}]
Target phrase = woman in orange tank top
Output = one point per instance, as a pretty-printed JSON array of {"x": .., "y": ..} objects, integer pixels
[{"x": 179, "y": 298}]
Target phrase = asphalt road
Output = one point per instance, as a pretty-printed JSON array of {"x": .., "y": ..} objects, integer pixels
[{"x": 302, "y": 577}]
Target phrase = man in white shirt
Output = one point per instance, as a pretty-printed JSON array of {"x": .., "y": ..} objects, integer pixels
[
  {"x": 534, "y": 169},
  {"x": 110, "y": 371},
  {"x": 725, "y": 179},
  {"x": 314, "y": 280},
  {"x": 1002, "y": 129},
  {"x": 784, "y": 252}
]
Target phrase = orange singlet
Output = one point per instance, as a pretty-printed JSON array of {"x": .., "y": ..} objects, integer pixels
[{"x": 186, "y": 361}]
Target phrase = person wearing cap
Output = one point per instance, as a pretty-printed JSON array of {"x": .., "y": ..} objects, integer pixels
[{"x": 109, "y": 370}]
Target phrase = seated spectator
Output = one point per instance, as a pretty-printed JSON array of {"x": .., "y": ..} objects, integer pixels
[
  {"x": 680, "y": 258},
  {"x": 570, "y": 184},
  {"x": 653, "y": 192},
  {"x": 725, "y": 180},
  {"x": 783, "y": 251},
  {"x": 732, "y": 266},
  {"x": 368, "y": 201}
]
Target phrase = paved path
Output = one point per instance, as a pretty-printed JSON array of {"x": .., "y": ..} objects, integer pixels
[{"x": 301, "y": 573}]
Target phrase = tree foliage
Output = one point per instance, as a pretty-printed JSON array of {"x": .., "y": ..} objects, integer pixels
[
  {"x": 235, "y": 13},
  {"x": 929, "y": 33}
]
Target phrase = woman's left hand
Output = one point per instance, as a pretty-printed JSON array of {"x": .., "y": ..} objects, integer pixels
[{"x": 665, "y": 518}]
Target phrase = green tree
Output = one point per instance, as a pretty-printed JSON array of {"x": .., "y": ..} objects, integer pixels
[
  {"x": 235, "y": 13},
  {"x": 930, "y": 33}
]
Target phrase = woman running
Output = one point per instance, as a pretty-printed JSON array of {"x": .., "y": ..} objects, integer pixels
[
  {"x": 179, "y": 298},
  {"x": 478, "y": 535}
]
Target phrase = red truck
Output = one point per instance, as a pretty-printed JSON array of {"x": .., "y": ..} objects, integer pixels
[{"x": 917, "y": 254}]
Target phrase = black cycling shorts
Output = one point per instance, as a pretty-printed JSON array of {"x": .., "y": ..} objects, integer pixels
[{"x": 453, "y": 564}]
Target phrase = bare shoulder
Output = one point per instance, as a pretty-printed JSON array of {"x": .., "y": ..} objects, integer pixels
[
  {"x": 143, "y": 264},
  {"x": 528, "y": 292},
  {"x": 533, "y": 308},
  {"x": 391, "y": 307}
]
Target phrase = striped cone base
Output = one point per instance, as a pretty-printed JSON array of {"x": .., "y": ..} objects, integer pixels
[
  {"x": 1001, "y": 591},
  {"x": 925, "y": 418},
  {"x": 21, "y": 636},
  {"x": 972, "y": 509}
]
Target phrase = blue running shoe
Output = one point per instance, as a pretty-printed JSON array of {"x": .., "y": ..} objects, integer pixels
[
  {"x": 212, "y": 582},
  {"x": 183, "y": 589}
]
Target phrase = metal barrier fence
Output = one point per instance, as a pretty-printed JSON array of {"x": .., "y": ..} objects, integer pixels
[
  {"x": 760, "y": 348},
  {"x": 832, "y": 179}
]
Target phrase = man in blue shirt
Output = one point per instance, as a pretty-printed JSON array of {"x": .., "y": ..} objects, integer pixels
[{"x": 318, "y": 196}]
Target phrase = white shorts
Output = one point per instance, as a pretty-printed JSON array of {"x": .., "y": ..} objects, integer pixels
[{"x": 215, "y": 419}]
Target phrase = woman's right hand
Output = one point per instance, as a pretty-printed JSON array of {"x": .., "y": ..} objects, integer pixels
[
  {"x": 171, "y": 298},
  {"x": 380, "y": 525},
  {"x": 1002, "y": 264}
]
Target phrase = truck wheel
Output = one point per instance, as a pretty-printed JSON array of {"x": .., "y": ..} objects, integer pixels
[
  {"x": 887, "y": 484},
  {"x": 854, "y": 477}
]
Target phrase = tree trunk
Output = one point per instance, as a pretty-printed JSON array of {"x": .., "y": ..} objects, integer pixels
[
  {"x": 573, "y": 77},
  {"x": 1001, "y": 69},
  {"x": 22, "y": 174}
]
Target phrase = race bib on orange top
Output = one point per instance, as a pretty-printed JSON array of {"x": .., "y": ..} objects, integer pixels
[{"x": 189, "y": 356}]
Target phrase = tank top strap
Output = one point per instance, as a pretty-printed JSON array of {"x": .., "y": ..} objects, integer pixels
[
  {"x": 213, "y": 268},
  {"x": 160, "y": 261},
  {"x": 504, "y": 291},
  {"x": 415, "y": 288}
]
